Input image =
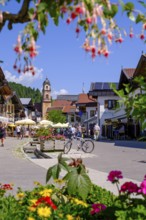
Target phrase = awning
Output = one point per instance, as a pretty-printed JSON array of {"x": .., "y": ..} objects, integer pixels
[
  {"x": 92, "y": 119},
  {"x": 124, "y": 116}
]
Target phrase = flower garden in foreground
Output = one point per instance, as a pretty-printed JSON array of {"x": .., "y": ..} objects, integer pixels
[{"x": 74, "y": 197}]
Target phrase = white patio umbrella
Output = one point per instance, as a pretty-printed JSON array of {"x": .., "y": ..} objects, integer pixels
[
  {"x": 58, "y": 125},
  {"x": 65, "y": 125},
  {"x": 26, "y": 121},
  {"x": 46, "y": 122}
]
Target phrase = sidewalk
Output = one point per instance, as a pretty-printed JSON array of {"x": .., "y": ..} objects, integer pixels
[
  {"x": 22, "y": 170},
  {"x": 96, "y": 176}
]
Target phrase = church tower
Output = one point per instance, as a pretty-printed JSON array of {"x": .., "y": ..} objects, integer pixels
[{"x": 46, "y": 100}]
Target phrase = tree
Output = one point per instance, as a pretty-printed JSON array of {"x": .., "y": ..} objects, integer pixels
[
  {"x": 98, "y": 18},
  {"x": 134, "y": 103},
  {"x": 56, "y": 116}
]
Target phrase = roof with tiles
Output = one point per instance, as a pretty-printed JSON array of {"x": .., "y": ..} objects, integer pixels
[
  {"x": 129, "y": 72},
  {"x": 54, "y": 108},
  {"x": 60, "y": 103},
  {"x": 84, "y": 98},
  {"x": 68, "y": 109}
]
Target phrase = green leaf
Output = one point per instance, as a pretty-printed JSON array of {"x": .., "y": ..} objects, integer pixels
[
  {"x": 53, "y": 172},
  {"x": 131, "y": 16},
  {"x": 142, "y": 3},
  {"x": 129, "y": 6},
  {"x": 49, "y": 174},
  {"x": 78, "y": 182},
  {"x": 110, "y": 12},
  {"x": 41, "y": 7},
  {"x": 139, "y": 18}
]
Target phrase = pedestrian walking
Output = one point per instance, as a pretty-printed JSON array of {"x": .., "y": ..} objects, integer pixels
[
  {"x": 18, "y": 129},
  {"x": 96, "y": 131},
  {"x": 2, "y": 133},
  {"x": 22, "y": 131}
]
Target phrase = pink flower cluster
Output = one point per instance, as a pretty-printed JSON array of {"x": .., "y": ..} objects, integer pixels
[
  {"x": 142, "y": 189},
  {"x": 114, "y": 176},
  {"x": 101, "y": 32},
  {"x": 30, "y": 49},
  {"x": 127, "y": 187},
  {"x": 97, "y": 207}
]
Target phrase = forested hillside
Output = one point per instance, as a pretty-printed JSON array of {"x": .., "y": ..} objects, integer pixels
[{"x": 26, "y": 92}]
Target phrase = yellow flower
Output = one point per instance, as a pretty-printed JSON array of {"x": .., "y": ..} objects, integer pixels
[
  {"x": 69, "y": 217},
  {"x": 20, "y": 195},
  {"x": 37, "y": 183},
  {"x": 80, "y": 202},
  {"x": 33, "y": 201},
  {"x": 46, "y": 192},
  {"x": 60, "y": 215},
  {"x": 44, "y": 212},
  {"x": 59, "y": 181},
  {"x": 32, "y": 209},
  {"x": 30, "y": 218}
]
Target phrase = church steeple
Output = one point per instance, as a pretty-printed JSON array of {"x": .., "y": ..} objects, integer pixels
[{"x": 46, "y": 101}]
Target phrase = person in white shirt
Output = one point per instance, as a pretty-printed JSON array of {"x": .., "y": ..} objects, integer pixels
[
  {"x": 18, "y": 129},
  {"x": 96, "y": 131}
]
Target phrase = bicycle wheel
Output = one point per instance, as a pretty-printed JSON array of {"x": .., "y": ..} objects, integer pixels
[
  {"x": 88, "y": 146},
  {"x": 67, "y": 146}
]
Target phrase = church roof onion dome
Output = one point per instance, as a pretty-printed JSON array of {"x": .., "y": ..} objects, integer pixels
[{"x": 46, "y": 82}]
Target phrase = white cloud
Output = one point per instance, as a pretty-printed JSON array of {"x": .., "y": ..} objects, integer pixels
[
  {"x": 60, "y": 92},
  {"x": 32, "y": 81},
  {"x": 26, "y": 79}
]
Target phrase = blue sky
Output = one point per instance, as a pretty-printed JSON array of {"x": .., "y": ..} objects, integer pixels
[{"x": 62, "y": 59}]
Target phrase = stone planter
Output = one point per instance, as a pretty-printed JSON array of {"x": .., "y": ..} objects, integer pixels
[
  {"x": 52, "y": 145},
  {"x": 49, "y": 145},
  {"x": 59, "y": 145}
]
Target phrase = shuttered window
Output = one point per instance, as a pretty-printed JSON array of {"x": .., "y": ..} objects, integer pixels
[{"x": 110, "y": 104}]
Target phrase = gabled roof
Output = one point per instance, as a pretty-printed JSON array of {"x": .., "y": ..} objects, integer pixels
[
  {"x": 26, "y": 101},
  {"x": 129, "y": 72},
  {"x": 15, "y": 100},
  {"x": 69, "y": 109},
  {"x": 60, "y": 103},
  {"x": 141, "y": 66},
  {"x": 125, "y": 76},
  {"x": 5, "y": 89},
  {"x": 84, "y": 99},
  {"x": 67, "y": 97}
]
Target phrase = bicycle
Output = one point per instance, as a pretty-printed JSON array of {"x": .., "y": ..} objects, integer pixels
[{"x": 85, "y": 144}]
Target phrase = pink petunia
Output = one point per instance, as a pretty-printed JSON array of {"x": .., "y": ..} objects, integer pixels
[
  {"x": 114, "y": 176},
  {"x": 97, "y": 207},
  {"x": 143, "y": 187},
  {"x": 129, "y": 187}
]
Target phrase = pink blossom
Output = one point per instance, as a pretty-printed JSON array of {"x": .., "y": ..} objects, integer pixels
[
  {"x": 129, "y": 187},
  {"x": 114, "y": 176},
  {"x": 143, "y": 187},
  {"x": 97, "y": 207}
]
